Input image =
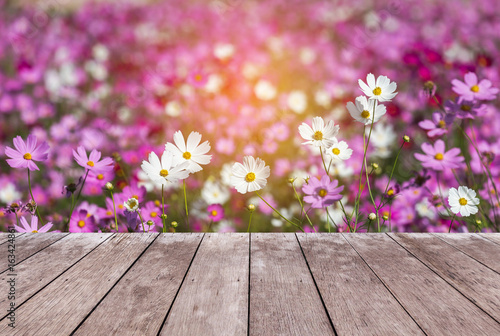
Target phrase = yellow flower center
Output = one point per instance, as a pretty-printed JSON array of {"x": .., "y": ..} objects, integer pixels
[
  {"x": 198, "y": 77},
  {"x": 34, "y": 231},
  {"x": 120, "y": 206},
  {"x": 462, "y": 201},
  {"x": 377, "y": 91},
  {"x": 441, "y": 124},
  {"x": 136, "y": 197},
  {"x": 365, "y": 114},
  {"x": 88, "y": 215},
  {"x": 14, "y": 205},
  {"x": 465, "y": 107},
  {"x": 27, "y": 156},
  {"x": 322, "y": 193},
  {"x": 132, "y": 203},
  {"x": 108, "y": 213},
  {"x": 153, "y": 214},
  {"x": 213, "y": 213},
  {"x": 318, "y": 135},
  {"x": 390, "y": 192},
  {"x": 90, "y": 163},
  {"x": 100, "y": 177},
  {"x": 186, "y": 155},
  {"x": 336, "y": 151},
  {"x": 81, "y": 223},
  {"x": 250, "y": 177},
  {"x": 438, "y": 156},
  {"x": 163, "y": 173},
  {"x": 474, "y": 88}
]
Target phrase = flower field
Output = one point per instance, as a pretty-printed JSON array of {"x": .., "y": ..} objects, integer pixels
[{"x": 232, "y": 115}]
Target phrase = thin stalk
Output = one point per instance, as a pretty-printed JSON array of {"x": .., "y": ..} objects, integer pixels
[
  {"x": 33, "y": 198},
  {"x": 449, "y": 230},
  {"x": 73, "y": 204},
  {"x": 302, "y": 207},
  {"x": 328, "y": 215},
  {"x": 142, "y": 221},
  {"x": 163, "y": 211},
  {"x": 114, "y": 211},
  {"x": 250, "y": 221},
  {"x": 279, "y": 214},
  {"x": 185, "y": 203}
]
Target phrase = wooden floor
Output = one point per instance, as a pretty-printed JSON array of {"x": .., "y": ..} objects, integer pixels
[{"x": 253, "y": 284}]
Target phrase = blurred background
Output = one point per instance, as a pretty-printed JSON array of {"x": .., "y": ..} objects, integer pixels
[{"x": 122, "y": 77}]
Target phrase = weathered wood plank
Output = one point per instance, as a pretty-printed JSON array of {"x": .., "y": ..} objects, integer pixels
[
  {"x": 479, "y": 248},
  {"x": 41, "y": 269},
  {"x": 283, "y": 297},
  {"x": 29, "y": 244},
  {"x": 474, "y": 280},
  {"x": 4, "y": 236},
  {"x": 354, "y": 296},
  {"x": 494, "y": 237},
  {"x": 436, "y": 306},
  {"x": 213, "y": 299},
  {"x": 137, "y": 305},
  {"x": 65, "y": 302}
]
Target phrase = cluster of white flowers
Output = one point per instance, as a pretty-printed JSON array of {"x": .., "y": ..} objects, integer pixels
[{"x": 178, "y": 160}]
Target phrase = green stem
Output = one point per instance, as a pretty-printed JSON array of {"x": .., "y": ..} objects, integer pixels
[
  {"x": 323, "y": 160},
  {"x": 163, "y": 211},
  {"x": 33, "y": 198},
  {"x": 250, "y": 221},
  {"x": 73, "y": 204},
  {"x": 185, "y": 203},
  {"x": 449, "y": 230},
  {"x": 329, "y": 216},
  {"x": 114, "y": 211},
  {"x": 279, "y": 214},
  {"x": 302, "y": 207},
  {"x": 142, "y": 221}
]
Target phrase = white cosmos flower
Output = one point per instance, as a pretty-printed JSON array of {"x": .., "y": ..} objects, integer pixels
[
  {"x": 463, "y": 200},
  {"x": 165, "y": 172},
  {"x": 192, "y": 152},
  {"x": 249, "y": 176},
  {"x": 214, "y": 193},
  {"x": 264, "y": 90},
  {"x": 362, "y": 111},
  {"x": 339, "y": 151},
  {"x": 320, "y": 135},
  {"x": 382, "y": 90},
  {"x": 131, "y": 204},
  {"x": 297, "y": 101}
]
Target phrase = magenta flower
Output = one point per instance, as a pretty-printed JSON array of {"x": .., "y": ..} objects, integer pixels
[
  {"x": 472, "y": 89},
  {"x": 33, "y": 227},
  {"x": 215, "y": 212},
  {"x": 322, "y": 193},
  {"x": 25, "y": 153},
  {"x": 436, "y": 126},
  {"x": 437, "y": 158},
  {"x": 465, "y": 109},
  {"x": 92, "y": 162},
  {"x": 81, "y": 222}
]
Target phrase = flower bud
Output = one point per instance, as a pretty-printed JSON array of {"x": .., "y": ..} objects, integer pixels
[
  {"x": 150, "y": 222},
  {"x": 406, "y": 138},
  {"x": 174, "y": 224},
  {"x": 385, "y": 217},
  {"x": 109, "y": 186},
  {"x": 251, "y": 207},
  {"x": 372, "y": 216},
  {"x": 291, "y": 180},
  {"x": 163, "y": 216},
  {"x": 375, "y": 165}
]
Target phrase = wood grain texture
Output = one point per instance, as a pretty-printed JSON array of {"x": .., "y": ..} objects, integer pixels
[
  {"x": 29, "y": 244},
  {"x": 65, "y": 302},
  {"x": 283, "y": 297},
  {"x": 214, "y": 297},
  {"x": 36, "y": 272},
  {"x": 4, "y": 236},
  {"x": 479, "y": 248},
  {"x": 494, "y": 237},
  {"x": 437, "y": 307},
  {"x": 354, "y": 296},
  {"x": 474, "y": 280},
  {"x": 146, "y": 292}
]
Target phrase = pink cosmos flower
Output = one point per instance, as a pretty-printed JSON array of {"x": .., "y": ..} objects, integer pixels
[
  {"x": 33, "y": 227},
  {"x": 472, "y": 89},
  {"x": 25, "y": 153},
  {"x": 215, "y": 212},
  {"x": 80, "y": 222},
  {"x": 92, "y": 162},
  {"x": 436, "y": 126},
  {"x": 465, "y": 109},
  {"x": 437, "y": 158},
  {"x": 322, "y": 193}
]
